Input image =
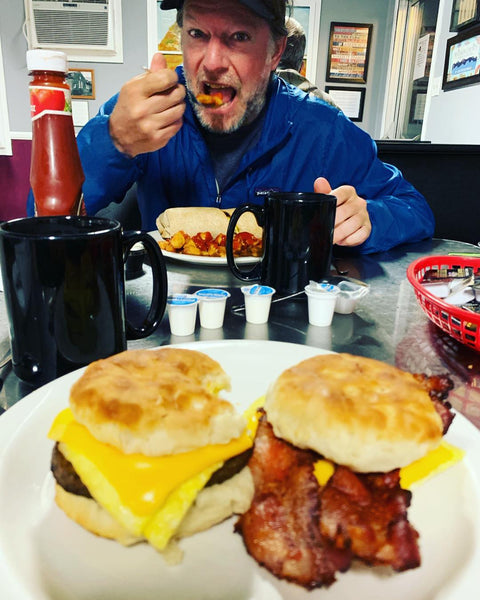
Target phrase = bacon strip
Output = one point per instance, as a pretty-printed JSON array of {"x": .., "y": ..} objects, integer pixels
[
  {"x": 368, "y": 514},
  {"x": 305, "y": 534},
  {"x": 281, "y": 529},
  {"x": 438, "y": 387}
]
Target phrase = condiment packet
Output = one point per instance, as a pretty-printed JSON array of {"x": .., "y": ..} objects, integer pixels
[{"x": 450, "y": 284}]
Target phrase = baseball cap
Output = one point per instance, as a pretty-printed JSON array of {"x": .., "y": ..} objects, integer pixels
[{"x": 257, "y": 6}]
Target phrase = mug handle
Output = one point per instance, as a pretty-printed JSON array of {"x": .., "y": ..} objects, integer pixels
[
  {"x": 160, "y": 285},
  {"x": 259, "y": 212}
]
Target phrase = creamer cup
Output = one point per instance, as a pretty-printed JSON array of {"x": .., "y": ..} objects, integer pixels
[
  {"x": 258, "y": 299},
  {"x": 182, "y": 313},
  {"x": 350, "y": 294},
  {"x": 212, "y": 304},
  {"x": 321, "y": 298}
]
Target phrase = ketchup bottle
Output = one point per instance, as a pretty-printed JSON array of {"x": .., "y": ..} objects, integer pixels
[{"x": 56, "y": 174}]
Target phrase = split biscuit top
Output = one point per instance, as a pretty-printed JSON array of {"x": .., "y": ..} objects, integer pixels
[
  {"x": 156, "y": 402},
  {"x": 355, "y": 411}
]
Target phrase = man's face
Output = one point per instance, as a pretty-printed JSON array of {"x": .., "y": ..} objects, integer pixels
[{"x": 227, "y": 51}]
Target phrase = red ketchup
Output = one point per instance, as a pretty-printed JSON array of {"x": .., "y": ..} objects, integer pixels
[{"x": 56, "y": 174}]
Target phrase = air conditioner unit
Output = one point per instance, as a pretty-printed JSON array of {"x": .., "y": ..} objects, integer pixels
[{"x": 87, "y": 30}]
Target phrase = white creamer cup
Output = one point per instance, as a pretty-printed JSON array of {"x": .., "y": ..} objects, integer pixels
[
  {"x": 258, "y": 299},
  {"x": 182, "y": 313},
  {"x": 322, "y": 298},
  {"x": 350, "y": 294},
  {"x": 211, "y": 306}
]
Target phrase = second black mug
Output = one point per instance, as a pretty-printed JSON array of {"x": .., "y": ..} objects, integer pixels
[
  {"x": 297, "y": 239},
  {"x": 64, "y": 288}
]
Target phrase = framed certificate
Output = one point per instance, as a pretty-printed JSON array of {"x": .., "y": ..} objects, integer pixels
[
  {"x": 349, "y": 99},
  {"x": 462, "y": 59},
  {"x": 348, "y": 52}
]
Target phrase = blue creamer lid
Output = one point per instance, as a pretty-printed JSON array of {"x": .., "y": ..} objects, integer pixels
[
  {"x": 258, "y": 290},
  {"x": 321, "y": 288},
  {"x": 181, "y": 299},
  {"x": 212, "y": 294}
]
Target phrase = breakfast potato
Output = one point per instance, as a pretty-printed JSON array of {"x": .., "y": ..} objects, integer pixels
[{"x": 204, "y": 244}]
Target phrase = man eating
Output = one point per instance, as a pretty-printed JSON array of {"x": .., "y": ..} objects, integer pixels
[{"x": 223, "y": 129}]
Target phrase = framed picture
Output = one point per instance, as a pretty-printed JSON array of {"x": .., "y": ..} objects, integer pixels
[
  {"x": 464, "y": 14},
  {"x": 82, "y": 83},
  {"x": 348, "y": 51},
  {"x": 417, "y": 107},
  {"x": 462, "y": 59},
  {"x": 168, "y": 37},
  {"x": 349, "y": 99}
]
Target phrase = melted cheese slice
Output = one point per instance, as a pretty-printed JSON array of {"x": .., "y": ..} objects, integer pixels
[
  {"x": 134, "y": 487},
  {"x": 437, "y": 460}
]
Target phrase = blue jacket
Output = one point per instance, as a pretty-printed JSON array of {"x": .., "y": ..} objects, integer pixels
[{"x": 303, "y": 138}]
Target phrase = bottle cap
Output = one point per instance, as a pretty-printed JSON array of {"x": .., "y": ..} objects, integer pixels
[{"x": 47, "y": 60}]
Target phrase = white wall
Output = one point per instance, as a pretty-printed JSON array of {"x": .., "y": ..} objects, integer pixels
[
  {"x": 380, "y": 13},
  {"x": 451, "y": 117},
  {"x": 108, "y": 76}
]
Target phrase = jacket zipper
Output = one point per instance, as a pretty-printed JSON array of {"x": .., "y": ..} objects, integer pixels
[{"x": 218, "y": 199}]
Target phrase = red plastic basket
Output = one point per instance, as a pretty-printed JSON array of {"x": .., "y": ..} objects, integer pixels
[{"x": 461, "y": 324}]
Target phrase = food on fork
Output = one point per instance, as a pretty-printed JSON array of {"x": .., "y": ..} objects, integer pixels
[
  {"x": 214, "y": 99},
  {"x": 149, "y": 451},
  {"x": 335, "y": 432}
]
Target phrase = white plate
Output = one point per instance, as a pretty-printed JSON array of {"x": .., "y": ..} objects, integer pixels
[
  {"x": 210, "y": 261},
  {"x": 44, "y": 555}
]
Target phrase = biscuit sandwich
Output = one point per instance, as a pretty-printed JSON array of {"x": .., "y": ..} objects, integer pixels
[
  {"x": 149, "y": 451},
  {"x": 195, "y": 219},
  {"x": 327, "y": 459}
]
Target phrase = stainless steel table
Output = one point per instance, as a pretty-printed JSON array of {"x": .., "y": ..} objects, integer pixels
[{"x": 387, "y": 324}]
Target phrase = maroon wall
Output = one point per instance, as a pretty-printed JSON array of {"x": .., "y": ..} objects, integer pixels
[{"x": 14, "y": 180}]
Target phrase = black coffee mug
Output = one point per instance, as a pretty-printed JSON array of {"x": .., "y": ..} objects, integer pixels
[
  {"x": 297, "y": 239},
  {"x": 64, "y": 285}
]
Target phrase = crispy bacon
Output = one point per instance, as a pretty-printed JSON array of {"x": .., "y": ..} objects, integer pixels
[
  {"x": 305, "y": 534},
  {"x": 281, "y": 528},
  {"x": 368, "y": 514},
  {"x": 438, "y": 387}
]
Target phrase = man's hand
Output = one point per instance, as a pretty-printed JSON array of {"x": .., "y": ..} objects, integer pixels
[
  {"x": 352, "y": 223},
  {"x": 149, "y": 110}
]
